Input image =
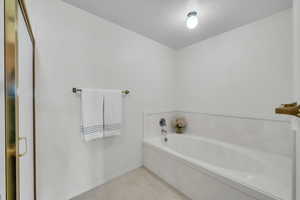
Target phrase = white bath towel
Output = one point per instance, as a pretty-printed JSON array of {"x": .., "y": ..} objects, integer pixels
[
  {"x": 112, "y": 112},
  {"x": 92, "y": 113}
]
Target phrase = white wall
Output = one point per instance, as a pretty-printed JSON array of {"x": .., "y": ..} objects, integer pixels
[
  {"x": 296, "y": 20},
  {"x": 243, "y": 72},
  {"x": 249, "y": 67},
  {"x": 77, "y": 49},
  {"x": 2, "y": 129}
]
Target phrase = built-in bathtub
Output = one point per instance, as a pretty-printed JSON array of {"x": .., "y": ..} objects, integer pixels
[{"x": 206, "y": 169}]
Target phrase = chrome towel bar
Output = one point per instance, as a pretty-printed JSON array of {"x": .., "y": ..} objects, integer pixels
[{"x": 76, "y": 90}]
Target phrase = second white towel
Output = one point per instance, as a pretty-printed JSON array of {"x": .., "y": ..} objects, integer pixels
[{"x": 112, "y": 112}]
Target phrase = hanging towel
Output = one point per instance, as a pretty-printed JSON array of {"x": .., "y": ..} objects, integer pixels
[
  {"x": 92, "y": 102},
  {"x": 112, "y": 112}
]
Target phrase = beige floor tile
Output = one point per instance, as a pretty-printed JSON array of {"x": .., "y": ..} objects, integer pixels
[{"x": 139, "y": 184}]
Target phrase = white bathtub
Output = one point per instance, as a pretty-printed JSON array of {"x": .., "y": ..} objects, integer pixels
[{"x": 205, "y": 169}]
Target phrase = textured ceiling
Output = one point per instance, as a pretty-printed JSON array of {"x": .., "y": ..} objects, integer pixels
[{"x": 164, "y": 20}]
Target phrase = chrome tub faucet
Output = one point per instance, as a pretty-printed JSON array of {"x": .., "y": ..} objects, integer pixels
[{"x": 163, "y": 125}]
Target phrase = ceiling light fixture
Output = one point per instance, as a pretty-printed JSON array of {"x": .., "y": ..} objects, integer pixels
[{"x": 192, "y": 20}]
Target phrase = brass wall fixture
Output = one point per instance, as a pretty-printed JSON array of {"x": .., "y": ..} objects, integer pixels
[{"x": 289, "y": 109}]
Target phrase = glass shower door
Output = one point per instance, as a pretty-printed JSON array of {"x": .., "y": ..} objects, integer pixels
[{"x": 19, "y": 103}]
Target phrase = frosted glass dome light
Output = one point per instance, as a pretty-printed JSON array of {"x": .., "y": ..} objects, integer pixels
[{"x": 192, "y": 20}]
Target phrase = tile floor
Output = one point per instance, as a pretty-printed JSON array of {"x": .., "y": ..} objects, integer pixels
[{"x": 139, "y": 184}]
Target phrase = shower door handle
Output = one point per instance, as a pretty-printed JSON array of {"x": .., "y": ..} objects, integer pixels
[
  {"x": 289, "y": 109},
  {"x": 26, "y": 147}
]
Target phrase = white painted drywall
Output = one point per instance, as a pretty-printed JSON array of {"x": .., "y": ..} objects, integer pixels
[
  {"x": 77, "y": 49},
  {"x": 2, "y": 128},
  {"x": 296, "y": 20},
  {"x": 244, "y": 72}
]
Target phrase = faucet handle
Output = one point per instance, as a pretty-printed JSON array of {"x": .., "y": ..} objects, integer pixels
[{"x": 162, "y": 122}]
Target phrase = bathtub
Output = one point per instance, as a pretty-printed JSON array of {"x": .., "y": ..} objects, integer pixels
[{"x": 205, "y": 169}]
